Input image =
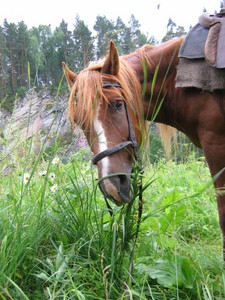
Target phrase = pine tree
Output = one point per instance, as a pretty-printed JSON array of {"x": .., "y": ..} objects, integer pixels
[
  {"x": 11, "y": 37},
  {"x": 36, "y": 57},
  {"x": 21, "y": 50},
  {"x": 83, "y": 44},
  {"x": 173, "y": 31},
  {"x": 105, "y": 30},
  {"x": 4, "y": 78}
]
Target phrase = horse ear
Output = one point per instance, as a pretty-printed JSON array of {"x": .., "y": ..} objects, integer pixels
[
  {"x": 112, "y": 62},
  {"x": 70, "y": 76}
]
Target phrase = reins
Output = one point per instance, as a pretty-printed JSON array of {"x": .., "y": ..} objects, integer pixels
[{"x": 112, "y": 150}]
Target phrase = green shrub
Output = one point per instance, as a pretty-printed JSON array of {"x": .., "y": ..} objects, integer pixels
[{"x": 21, "y": 92}]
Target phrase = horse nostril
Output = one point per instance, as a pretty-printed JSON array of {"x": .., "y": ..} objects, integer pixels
[
  {"x": 124, "y": 184},
  {"x": 123, "y": 179},
  {"x": 124, "y": 188}
]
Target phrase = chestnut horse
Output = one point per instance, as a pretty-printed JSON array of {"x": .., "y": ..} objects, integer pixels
[{"x": 106, "y": 95}]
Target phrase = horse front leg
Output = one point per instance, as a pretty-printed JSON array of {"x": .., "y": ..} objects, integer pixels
[
  {"x": 221, "y": 210},
  {"x": 215, "y": 156}
]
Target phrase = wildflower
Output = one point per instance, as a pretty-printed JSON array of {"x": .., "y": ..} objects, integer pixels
[
  {"x": 52, "y": 177},
  {"x": 55, "y": 160},
  {"x": 26, "y": 178},
  {"x": 81, "y": 143},
  {"x": 43, "y": 173},
  {"x": 54, "y": 188}
]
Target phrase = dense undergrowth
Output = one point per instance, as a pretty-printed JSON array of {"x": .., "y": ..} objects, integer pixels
[{"x": 58, "y": 241}]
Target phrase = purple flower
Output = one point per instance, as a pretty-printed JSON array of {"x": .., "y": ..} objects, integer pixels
[{"x": 81, "y": 143}]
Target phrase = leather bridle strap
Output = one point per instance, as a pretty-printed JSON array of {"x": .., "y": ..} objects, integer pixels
[
  {"x": 132, "y": 141},
  {"x": 110, "y": 151},
  {"x": 131, "y": 132}
]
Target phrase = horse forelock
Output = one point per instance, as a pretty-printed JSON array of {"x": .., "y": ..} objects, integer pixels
[
  {"x": 84, "y": 97},
  {"x": 88, "y": 91}
]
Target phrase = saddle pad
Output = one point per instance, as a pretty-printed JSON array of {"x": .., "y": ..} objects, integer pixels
[
  {"x": 194, "y": 43},
  {"x": 197, "y": 73}
]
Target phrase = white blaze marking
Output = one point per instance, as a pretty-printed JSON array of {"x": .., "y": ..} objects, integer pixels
[{"x": 102, "y": 143}]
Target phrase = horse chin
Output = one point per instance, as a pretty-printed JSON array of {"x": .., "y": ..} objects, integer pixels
[{"x": 118, "y": 195}]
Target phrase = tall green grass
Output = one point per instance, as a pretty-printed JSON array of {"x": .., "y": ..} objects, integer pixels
[{"x": 58, "y": 241}]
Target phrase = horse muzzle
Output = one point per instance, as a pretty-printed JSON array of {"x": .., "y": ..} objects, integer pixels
[{"x": 117, "y": 189}]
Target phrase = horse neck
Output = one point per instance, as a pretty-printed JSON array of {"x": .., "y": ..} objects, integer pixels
[{"x": 161, "y": 62}]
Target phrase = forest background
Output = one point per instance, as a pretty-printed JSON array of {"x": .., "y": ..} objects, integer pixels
[{"x": 33, "y": 57}]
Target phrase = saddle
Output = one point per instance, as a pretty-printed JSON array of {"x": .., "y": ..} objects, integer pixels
[{"x": 206, "y": 40}]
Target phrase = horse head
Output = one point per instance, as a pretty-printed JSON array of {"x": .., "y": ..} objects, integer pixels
[{"x": 103, "y": 102}]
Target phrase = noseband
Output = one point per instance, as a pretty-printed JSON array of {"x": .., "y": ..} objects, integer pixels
[{"x": 132, "y": 138}]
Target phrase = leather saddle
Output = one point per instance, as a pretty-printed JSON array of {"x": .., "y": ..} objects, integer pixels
[{"x": 206, "y": 40}]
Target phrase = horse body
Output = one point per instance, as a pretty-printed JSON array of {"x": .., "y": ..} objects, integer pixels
[{"x": 197, "y": 113}]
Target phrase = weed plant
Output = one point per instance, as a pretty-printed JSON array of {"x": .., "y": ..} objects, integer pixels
[{"x": 58, "y": 240}]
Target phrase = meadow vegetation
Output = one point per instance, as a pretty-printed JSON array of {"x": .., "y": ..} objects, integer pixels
[{"x": 58, "y": 240}]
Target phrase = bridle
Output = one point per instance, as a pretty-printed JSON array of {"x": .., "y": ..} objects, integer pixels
[
  {"x": 132, "y": 138},
  {"x": 130, "y": 142},
  {"x": 133, "y": 143}
]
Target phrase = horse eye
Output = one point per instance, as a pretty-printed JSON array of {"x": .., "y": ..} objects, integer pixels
[{"x": 118, "y": 105}]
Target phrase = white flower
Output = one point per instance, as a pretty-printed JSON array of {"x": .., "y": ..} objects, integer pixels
[
  {"x": 43, "y": 173},
  {"x": 52, "y": 177},
  {"x": 26, "y": 178},
  {"x": 54, "y": 188},
  {"x": 55, "y": 160}
]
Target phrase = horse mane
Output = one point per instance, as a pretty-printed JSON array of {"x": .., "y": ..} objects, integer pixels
[
  {"x": 162, "y": 55},
  {"x": 88, "y": 91}
]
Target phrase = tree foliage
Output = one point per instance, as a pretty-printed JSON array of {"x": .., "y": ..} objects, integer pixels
[
  {"x": 173, "y": 31},
  {"x": 44, "y": 49}
]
